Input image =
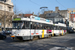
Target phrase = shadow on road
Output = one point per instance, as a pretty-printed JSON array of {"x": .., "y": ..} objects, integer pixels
[
  {"x": 32, "y": 45},
  {"x": 9, "y": 40},
  {"x": 71, "y": 33},
  {"x": 27, "y": 46},
  {"x": 71, "y": 43}
]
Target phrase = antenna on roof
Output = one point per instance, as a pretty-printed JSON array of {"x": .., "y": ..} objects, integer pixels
[{"x": 43, "y": 9}]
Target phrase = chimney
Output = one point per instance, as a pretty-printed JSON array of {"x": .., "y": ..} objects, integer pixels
[
  {"x": 56, "y": 9},
  {"x": 33, "y": 13},
  {"x": 39, "y": 13}
]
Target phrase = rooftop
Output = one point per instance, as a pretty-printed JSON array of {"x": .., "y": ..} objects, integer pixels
[
  {"x": 51, "y": 15},
  {"x": 71, "y": 9}
]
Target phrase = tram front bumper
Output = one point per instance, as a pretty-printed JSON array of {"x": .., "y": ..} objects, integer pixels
[
  {"x": 21, "y": 37},
  {"x": 12, "y": 36}
]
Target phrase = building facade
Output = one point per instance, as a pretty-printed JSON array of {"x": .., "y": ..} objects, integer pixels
[
  {"x": 27, "y": 15},
  {"x": 57, "y": 10},
  {"x": 71, "y": 16},
  {"x": 6, "y": 6},
  {"x": 6, "y": 9},
  {"x": 55, "y": 17}
]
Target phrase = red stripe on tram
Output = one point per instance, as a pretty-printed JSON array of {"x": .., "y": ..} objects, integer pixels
[
  {"x": 31, "y": 33},
  {"x": 37, "y": 33}
]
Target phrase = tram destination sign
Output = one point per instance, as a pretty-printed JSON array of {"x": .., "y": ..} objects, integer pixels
[{"x": 17, "y": 19}]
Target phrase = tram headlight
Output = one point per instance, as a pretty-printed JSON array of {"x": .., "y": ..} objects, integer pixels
[{"x": 14, "y": 32}]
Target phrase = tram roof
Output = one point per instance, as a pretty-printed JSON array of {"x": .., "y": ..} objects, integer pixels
[
  {"x": 33, "y": 20},
  {"x": 39, "y": 20},
  {"x": 60, "y": 24}
]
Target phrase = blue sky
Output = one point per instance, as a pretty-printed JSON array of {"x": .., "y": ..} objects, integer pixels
[{"x": 34, "y": 5}]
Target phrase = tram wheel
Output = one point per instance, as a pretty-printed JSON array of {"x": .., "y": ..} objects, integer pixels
[
  {"x": 59, "y": 34},
  {"x": 54, "y": 34},
  {"x": 49, "y": 36},
  {"x": 35, "y": 38},
  {"x": 65, "y": 33}
]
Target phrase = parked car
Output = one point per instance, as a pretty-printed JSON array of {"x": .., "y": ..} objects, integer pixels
[
  {"x": 2, "y": 36},
  {"x": 70, "y": 30},
  {"x": 7, "y": 32}
]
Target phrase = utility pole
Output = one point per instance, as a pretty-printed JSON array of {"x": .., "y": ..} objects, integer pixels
[{"x": 4, "y": 16}]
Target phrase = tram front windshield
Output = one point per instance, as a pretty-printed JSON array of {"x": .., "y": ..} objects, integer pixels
[{"x": 20, "y": 25}]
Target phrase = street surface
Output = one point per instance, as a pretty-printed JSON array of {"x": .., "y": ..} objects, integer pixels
[{"x": 66, "y": 42}]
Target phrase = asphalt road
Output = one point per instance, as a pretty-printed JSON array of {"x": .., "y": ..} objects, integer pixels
[{"x": 66, "y": 42}]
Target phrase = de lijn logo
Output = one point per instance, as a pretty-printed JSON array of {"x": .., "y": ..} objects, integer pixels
[
  {"x": 15, "y": 19},
  {"x": 37, "y": 18},
  {"x": 47, "y": 20}
]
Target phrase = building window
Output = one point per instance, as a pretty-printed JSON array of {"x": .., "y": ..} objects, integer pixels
[
  {"x": 0, "y": 7},
  {"x": 9, "y": 8},
  {"x": 72, "y": 15},
  {"x": 3, "y": 0}
]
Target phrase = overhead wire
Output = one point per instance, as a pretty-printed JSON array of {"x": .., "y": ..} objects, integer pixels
[
  {"x": 73, "y": 0},
  {"x": 34, "y": 3},
  {"x": 60, "y": 3}
]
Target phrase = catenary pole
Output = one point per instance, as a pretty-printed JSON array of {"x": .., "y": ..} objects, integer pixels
[{"x": 4, "y": 16}]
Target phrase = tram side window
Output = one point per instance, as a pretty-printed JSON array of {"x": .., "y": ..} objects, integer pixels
[
  {"x": 62, "y": 28},
  {"x": 33, "y": 25},
  {"x": 41, "y": 26},
  {"x": 23, "y": 25},
  {"x": 37, "y": 26},
  {"x": 50, "y": 27},
  {"x": 26, "y": 25},
  {"x": 45, "y": 26},
  {"x": 65, "y": 28},
  {"x": 55, "y": 28},
  {"x": 58, "y": 27}
]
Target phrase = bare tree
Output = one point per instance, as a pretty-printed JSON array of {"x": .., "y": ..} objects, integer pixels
[
  {"x": 28, "y": 12},
  {"x": 8, "y": 18},
  {"x": 16, "y": 11}
]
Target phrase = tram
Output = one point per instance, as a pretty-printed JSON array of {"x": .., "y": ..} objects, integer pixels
[
  {"x": 34, "y": 28},
  {"x": 60, "y": 29}
]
